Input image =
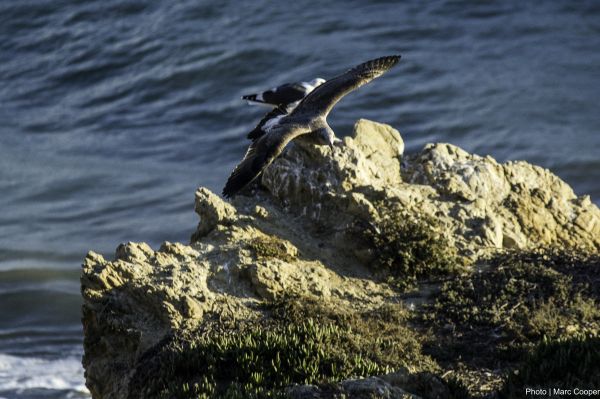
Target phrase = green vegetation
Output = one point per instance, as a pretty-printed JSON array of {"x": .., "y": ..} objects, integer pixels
[
  {"x": 496, "y": 316},
  {"x": 565, "y": 363},
  {"x": 302, "y": 342},
  {"x": 270, "y": 247},
  {"x": 531, "y": 316},
  {"x": 408, "y": 248},
  {"x": 382, "y": 335}
]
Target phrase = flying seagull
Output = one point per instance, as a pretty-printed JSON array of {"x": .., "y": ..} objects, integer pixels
[
  {"x": 308, "y": 118},
  {"x": 285, "y": 95},
  {"x": 270, "y": 118}
]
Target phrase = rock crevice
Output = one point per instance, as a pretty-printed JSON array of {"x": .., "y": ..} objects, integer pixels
[{"x": 295, "y": 236}]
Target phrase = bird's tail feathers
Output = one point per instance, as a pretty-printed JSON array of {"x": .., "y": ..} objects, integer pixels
[
  {"x": 253, "y": 98},
  {"x": 256, "y": 133}
]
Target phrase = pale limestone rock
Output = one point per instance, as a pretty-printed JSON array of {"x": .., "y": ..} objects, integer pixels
[
  {"x": 306, "y": 175},
  {"x": 398, "y": 385},
  {"x": 310, "y": 200},
  {"x": 383, "y": 146},
  {"x": 482, "y": 203},
  {"x": 261, "y": 212},
  {"x": 212, "y": 211}
]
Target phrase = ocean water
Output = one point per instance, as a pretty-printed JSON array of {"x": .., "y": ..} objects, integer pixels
[{"x": 113, "y": 112}]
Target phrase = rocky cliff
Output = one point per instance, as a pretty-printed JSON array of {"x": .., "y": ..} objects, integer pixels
[{"x": 315, "y": 280}]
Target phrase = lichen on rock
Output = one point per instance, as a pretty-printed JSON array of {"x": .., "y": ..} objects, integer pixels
[{"x": 319, "y": 227}]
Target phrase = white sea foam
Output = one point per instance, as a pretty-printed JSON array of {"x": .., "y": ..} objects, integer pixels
[{"x": 22, "y": 373}]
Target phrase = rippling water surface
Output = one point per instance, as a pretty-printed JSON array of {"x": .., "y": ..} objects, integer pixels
[{"x": 113, "y": 112}]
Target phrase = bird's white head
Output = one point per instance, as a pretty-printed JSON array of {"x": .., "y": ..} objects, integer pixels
[{"x": 317, "y": 82}]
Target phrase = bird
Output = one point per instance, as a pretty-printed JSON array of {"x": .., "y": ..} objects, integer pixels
[
  {"x": 287, "y": 95},
  {"x": 308, "y": 119},
  {"x": 267, "y": 120},
  {"x": 283, "y": 98}
]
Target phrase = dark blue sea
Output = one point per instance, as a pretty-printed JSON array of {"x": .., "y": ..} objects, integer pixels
[{"x": 113, "y": 112}]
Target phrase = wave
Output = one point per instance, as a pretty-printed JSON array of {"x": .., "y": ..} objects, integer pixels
[{"x": 20, "y": 374}]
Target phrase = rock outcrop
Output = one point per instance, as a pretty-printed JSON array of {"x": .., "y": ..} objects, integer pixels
[{"x": 295, "y": 235}]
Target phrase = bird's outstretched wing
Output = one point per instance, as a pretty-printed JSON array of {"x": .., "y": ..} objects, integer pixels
[
  {"x": 258, "y": 131},
  {"x": 322, "y": 99},
  {"x": 260, "y": 154},
  {"x": 266, "y": 147}
]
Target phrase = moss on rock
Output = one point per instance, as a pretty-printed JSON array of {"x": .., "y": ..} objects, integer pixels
[
  {"x": 383, "y": 335},
  {"x": 268, "y": 247},
  {"x": 247, "y": 251},
  {"x": 408, "y": 247},
  {"x": 302, "y": 342},
  {"x": 494, "y": 317},
  {"x": 565, "y": 363}
]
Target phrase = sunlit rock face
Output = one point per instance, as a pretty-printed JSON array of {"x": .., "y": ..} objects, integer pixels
[{"x": 291, "y": 235}]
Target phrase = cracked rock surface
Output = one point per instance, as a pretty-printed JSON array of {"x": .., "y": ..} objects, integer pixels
[{"x": 289, "y": 235}]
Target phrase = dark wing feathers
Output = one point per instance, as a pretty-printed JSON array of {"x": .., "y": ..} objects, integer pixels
[
  {"x": 282, "y": 95},
  {"x": 323, "y": 98},
  {"x": 285, "y": 94},
  {"x": 245, "y": 171},
  {"x": 260, "y": 154},
  {"x": 266, "y": 147},
  {"x": 258, "y": 131}
]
